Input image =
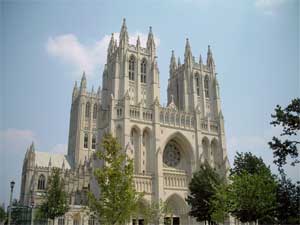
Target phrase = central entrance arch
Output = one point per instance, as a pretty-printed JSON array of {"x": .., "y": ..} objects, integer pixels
[{"x": 177, "y": 210}]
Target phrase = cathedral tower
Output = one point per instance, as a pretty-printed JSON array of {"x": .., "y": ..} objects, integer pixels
[{"x": 84, "y": 118}]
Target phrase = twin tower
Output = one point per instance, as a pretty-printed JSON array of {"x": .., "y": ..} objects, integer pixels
[{"x": 131, "y": 76}]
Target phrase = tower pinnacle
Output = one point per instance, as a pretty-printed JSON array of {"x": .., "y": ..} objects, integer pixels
[{"x": 188, "y": 57}]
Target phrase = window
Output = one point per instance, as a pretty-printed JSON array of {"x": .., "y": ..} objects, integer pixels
[
  {"x": 94, "y": 142},
  {"x": 197, "y": 77},
  {"x": 206, "y": 86},
  {"x": 92, "y": 220},
  {"x": 87, "y": 109},
  {"x": 143, "y": 71},
  {"x": 41, "y": 182},
  {"x": 75, "y": 222},
  {"x": 131, "y": 68},
  {"x": 95, "y": 111},
  {"x": 61, "y": 221},
  {"x": 86, "y": 141}
]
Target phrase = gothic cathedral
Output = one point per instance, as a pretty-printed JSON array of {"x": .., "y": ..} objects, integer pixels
[{"x": 167, "y": 144}]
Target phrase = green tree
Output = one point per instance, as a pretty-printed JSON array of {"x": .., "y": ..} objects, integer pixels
[
  {"x": 288, "y": 201},
  {"x": 203, "y": 187},
  {"x": 55, "y": 203},
  {"x": 289, "y": 119},
  {"x": 251, "y": 193},
  {"x": 2, "y": 214},
  {"x": 249, "y": 163},
  {"x": 118, "y": 198},
  {"x": 252, "y": 197}
]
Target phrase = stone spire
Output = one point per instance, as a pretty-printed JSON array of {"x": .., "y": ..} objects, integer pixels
[
  {"x": 83, "y": 82},
  {"x": 99, "y": 91},
  {"x": 210, "y": 60},
  {"x": 173, "y": 64},
  {"x": 150, "y": 42},
  {"x": 138, "y": 42},
  {"x": 123, "y": 34},
  {"x": 179, "y": 63},
  {"x": 200, "y": 60},
  {"x": 111, "y": 46},
  {"x": 188, "y": 57},
  {"x": 32, "y": 148},
  {"x": 75, "y": 91}
]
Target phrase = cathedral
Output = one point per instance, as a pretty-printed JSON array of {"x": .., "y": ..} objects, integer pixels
[{"x": 167, "y": 144}]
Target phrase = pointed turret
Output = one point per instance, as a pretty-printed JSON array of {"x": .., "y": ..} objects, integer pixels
[
  {"x": 179, "y": 62},
  {"x": 123, "y": 40},
  {"x": 188, "y": 57},
  {"x": 210, "y": 60},
  {"x": 173, "y": 64},
  {"x": 32, "y": 148},
  {"x": 138, "y": 41},
  {"x": 99, "y": 91},
  {"x": 75, "y": 91},
  {"x": 50, "y": 162},
  {"x": 111, "y": 46},
  {"x": 200, "y": 60},
  {"x": 83, "y": 83},
  {"x": 150, "y": 42}
]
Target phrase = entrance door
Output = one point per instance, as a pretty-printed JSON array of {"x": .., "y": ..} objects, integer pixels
[{"x": 176, "y": 221}]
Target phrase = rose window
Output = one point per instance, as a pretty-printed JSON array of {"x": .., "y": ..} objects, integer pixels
[{"x": 171, "y": 156}]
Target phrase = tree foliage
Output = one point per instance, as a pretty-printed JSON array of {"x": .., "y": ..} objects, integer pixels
[
  {"x": 250, "y": 194},
  {"x": 249, "y": 163},
  {"x": 55, "y": 203},
  {"x": 252, "y": 197},
  {"x": 2, "y": 214},
  {"x": 117, "y": 199},
  {"x": 288, "y": 201},
  {"x": 203, "y": 187},
  {"x": 289, "y": 119}
]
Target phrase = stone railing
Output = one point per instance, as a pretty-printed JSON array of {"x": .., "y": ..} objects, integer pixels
[
  {"x": 176, "y": 179},
  {"x": 142, "y": 114},
  {"x": 176, "y": 119},
  {"x": 143, "y": 183},
  {"x": 211, "y": 126}
]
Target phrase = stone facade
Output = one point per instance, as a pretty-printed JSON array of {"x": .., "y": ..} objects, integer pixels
[{"x": 167, "y": 144}]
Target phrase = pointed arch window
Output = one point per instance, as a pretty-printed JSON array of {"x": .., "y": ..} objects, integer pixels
[
  {"x": 86, "y": 141},
  {"x": 131, "y": 68},
  {"x": 143, "y": 71},
  {"x": 87, "y": 110},
  {"x": 95, "y": 111},
  {"x": 197, "y": 78},
  {"x": 41, "y": 182},
  {"x": 94, "y": 142},
  {"x": 206, "y": 85}
]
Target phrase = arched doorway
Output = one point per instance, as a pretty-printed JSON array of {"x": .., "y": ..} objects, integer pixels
[{"x": 177, "y": 211}]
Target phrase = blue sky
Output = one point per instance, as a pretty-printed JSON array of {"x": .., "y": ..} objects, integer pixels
[{"x": 45, "y": 45}]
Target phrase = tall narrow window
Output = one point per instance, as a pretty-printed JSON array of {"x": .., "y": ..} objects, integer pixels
[
  {"x": 41, "y": 182},
  {"x": 197, "y": 77},
  {"x": 95, "y": 111},
  {"x": 131, "y": 68},
  {"x": 87, "y": 109},
  {"x": 91, "y": 220},
  {"x": 94, "y": 142},
  {"x": 206, "y": 87},
  {"x": 143, "y": 71},
  {"x": 86, "y": 141}
]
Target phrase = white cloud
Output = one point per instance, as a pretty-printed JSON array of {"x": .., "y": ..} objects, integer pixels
[
  {"x": 16, "y": 140},
  {"x": 82, "y": 57},
  {"x": 269, "y": 7}
]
